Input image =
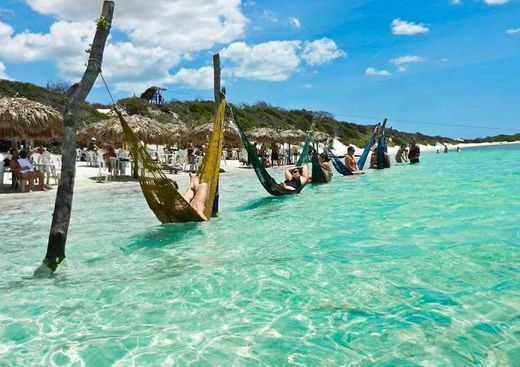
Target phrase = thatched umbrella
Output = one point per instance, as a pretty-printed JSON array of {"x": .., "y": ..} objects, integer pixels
[
  {"x": 148, "y": 130},
  {"x": 201, "y": 133},
  {"x": 319, "y": 137},
  {"x": 264, "y": 134},
  {"x": 292, "y": 136},
  {"x": 23, "y": 118}
]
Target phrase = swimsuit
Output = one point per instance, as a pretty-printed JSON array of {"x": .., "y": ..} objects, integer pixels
[{"x": 294, "y": 183}]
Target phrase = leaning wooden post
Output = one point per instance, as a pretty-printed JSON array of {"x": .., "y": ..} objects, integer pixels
[
  {"x": 75, "y": 96},
  {"x": 217, "y": 93}
]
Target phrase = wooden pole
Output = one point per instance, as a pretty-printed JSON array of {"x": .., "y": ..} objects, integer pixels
[
  {"x": 217, "y": 95},
  {"x": 75, "y": 96}
]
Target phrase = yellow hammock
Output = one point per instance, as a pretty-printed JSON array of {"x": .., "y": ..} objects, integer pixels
[{"x": 168, "y": 205}]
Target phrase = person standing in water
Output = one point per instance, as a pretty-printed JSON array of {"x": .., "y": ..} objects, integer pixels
[
  {"x": 445, "y": 148},
  {"x": 401, "y": 155},
  {"x": 414, "y": 153}
]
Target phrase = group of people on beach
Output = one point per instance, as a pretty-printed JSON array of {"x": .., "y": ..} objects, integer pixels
[{"x": 22, "y": 168}]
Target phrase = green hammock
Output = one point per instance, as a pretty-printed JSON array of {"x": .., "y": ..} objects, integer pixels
[
  {"x": 318, "y": 174},
  {"x": 269, "y": 183}
]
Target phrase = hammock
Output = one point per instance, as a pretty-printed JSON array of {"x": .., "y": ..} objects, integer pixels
[
  {"x": 338, "y": 164},
  {"x": 370, "y": 143},
  {"x": 381, "y": 150},
  {"x": 318, "y": 174},
  {"x": 168, "y": 205},
  {"x": 269, "y": 184}
]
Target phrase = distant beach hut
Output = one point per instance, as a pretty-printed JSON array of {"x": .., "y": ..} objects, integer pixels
[
  {"x": 201, "y": 133},
  {"x": 292, "y": 136},
  {"x": 26, "y": 119},
  {"x": 146, "y": 129},
  {"x": 264, "y": 135},
  {"x": 320, "y": 137}
]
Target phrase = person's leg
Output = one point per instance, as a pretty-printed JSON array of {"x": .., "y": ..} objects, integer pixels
[
  {"x": 192, "y": 189},
  {"x": 41, "y": 179},
  {"x": 199, "y": 201}
]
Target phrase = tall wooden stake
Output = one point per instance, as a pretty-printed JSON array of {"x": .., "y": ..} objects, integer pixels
[
  {"x": 75, "y": 96},
  {"x": 216, "y": 92}
]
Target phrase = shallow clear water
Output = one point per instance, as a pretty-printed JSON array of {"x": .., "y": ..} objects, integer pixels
[{"x": 413, "y": 266}]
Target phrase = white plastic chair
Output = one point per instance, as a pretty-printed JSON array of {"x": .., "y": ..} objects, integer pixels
[
  {"x": 102, "y": 170},
  {"x": 91, "y": 158},
  {"x": 55, "y": 169},
  {"x": 44, "y": 162}
]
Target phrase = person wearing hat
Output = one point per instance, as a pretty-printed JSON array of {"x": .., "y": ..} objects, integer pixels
[{"x": 92, "y": 144}]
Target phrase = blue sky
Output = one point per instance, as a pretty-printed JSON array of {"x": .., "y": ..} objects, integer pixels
[{"x": 423, "y": 64}]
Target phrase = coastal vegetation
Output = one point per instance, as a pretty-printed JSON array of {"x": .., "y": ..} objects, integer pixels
[{"x": 257, "y": 115}]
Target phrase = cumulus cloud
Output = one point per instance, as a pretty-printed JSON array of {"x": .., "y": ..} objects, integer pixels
[
  {"x": 160, "y": 36},
  {"x": 3, "y": 74},
  {"x": 273, "y": 61},
  {"x": 201, "y": 78},
  {"x": 295, "y": 23},
  {"x": 496, "y": 2},
  {"x": 158, "y": 39},
  {"x": 402, "y": 62},
  {"x": 374, "y": 72},
  {"x": 513, "y": 30},
  {"x": 277, "y": 60},
  {"x": 404, "y": 28},
  {"x": 182, "y": 25},
  {"x": 321, "y": 51}
]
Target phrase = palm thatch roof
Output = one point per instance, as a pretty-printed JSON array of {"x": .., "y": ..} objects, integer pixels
[
  {"x": 320, "y": 137},
  {"x": 23, "y": 118},
  {"x": 201, "y": 133},
  {"x": 148, "y": 130},
  {"x": 264, "y": 134},
  {"x": 292, "y": 136}
]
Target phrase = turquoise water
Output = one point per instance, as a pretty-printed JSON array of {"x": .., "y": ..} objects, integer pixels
[{"x": 413, "y": 266}]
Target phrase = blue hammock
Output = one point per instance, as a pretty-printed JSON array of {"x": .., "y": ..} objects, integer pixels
[
  {"x": 363, "y": 158},
  {"x": 338, "y": 164}
]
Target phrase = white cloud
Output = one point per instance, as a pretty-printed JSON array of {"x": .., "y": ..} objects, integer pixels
[
  {"x": 321, "y": 51},
  {"x": 3, "y": 74},
  {"x": 295, "y": 22},
  {"x": 513, "y": 30},
  {"x": 182, "y": 25},
  {"x": 455, "y": 2},
  {"x": 273, "y": 61},
  {"x": 496, "y": 2},
  {"x": 195, "y": 78},
  {"x": 404, "y": 28},
  {"x": 63, "y": 40},
  {"x": 402, "y": 62},
  {"x": 373, "y": 72},
  {"x": 270, "y": 15},
  {"x": 160, "y": 36}
]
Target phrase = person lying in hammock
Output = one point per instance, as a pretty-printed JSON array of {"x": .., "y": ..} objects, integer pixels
[
  {"x": 295, "y": 178},
  {"x": 197, "y": 194}
]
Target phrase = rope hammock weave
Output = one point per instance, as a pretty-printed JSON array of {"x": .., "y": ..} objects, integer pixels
[
  {"x": 168, "y": 205},
  {"x": 269, "y": 183}
]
